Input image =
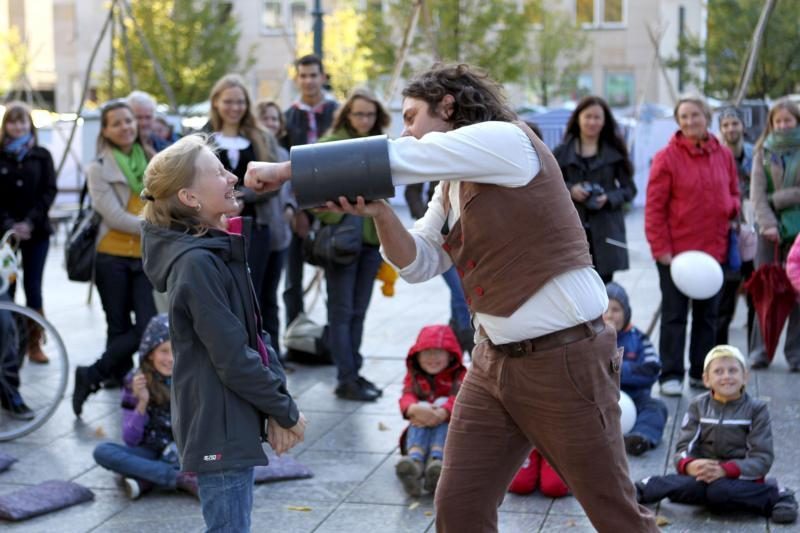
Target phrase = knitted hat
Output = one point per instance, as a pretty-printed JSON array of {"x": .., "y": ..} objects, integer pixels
[
  {"x": 731, "y": 111},
  {"x": 157, "y": 331},
  {"x": 724, "y": 350},
  {"x": 616, "y": 292}
]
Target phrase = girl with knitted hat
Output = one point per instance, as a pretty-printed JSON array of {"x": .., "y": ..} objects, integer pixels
[{"x": 148, "y": 458}]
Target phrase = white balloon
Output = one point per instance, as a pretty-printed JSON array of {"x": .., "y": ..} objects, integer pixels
[
  {"x": 696, "y": 274},
  {"x": 628, "y": 418}
]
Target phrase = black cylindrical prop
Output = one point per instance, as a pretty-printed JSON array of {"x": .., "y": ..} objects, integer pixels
[{"x": 350, "y": 168}]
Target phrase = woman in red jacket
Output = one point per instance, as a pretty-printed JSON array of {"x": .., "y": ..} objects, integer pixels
[
  {"x": 435, "y": 373},
  {"x": 692, "y": 196}
]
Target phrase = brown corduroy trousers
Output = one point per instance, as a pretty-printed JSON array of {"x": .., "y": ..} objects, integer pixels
[{"x": 563, "y": 401}]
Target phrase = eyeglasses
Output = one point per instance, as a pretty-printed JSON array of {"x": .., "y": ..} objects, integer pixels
[{"x": 360, "y": 115}]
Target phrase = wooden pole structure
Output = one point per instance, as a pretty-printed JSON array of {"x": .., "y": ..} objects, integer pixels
[
  {"x": 752, "y": 57},
  {"x": 408, "y": 37},
  {"x": 85, "y": 90}
]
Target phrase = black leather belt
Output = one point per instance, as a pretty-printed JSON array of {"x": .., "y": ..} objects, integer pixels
[{"x": 552, "y": 340}]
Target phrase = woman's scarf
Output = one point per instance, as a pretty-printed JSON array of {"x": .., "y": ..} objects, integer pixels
[
  {"x": 19, "y": 147},
  {"x": 132, "y": 166},
  {"x": 782, "y": 153}
]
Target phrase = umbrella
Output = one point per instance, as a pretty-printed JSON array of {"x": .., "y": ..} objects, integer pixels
[{"x": 773, "y": 298}]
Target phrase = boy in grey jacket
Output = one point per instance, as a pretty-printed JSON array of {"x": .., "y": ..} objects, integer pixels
[{"x": 725, "y": 448}]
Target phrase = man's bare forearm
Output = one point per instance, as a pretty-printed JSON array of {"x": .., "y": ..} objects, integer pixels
[{"x": 397, "y": 242}]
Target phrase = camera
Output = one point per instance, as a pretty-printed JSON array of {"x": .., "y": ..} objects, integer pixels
[{"x": 595, "y": 191}]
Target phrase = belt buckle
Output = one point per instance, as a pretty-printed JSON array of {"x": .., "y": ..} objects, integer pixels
[{"x": 516, "y": 350}]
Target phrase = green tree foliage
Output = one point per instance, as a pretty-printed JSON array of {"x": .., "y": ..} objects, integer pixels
[
  {"x": 486, "y": 33},
  {"x": 194, "y": 41},
  {"x": 729, "y": 32},
  {"x": 555, "y": 57}
]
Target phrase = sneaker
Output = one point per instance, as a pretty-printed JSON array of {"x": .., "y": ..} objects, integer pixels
[
  {"x": 640, "y": 490},
  {"x": 697, "y": 383},
  {"x": 636, "y": 444},
  {"x": 17, "y": 409},
  {"x": 409, "y": 472},
  {"x": 794, "y": 368},
  {"x": 187, "y": 482},
  {"x": 432, "y": 472},
  {"x": 367, "y": 384},
  {"x": 131, "y": 488},
  {"x": 672, "y": 387},
  {"x": 785, "y": 510}
]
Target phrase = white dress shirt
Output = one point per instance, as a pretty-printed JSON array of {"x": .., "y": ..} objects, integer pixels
[{"x": 497, "y": 153}]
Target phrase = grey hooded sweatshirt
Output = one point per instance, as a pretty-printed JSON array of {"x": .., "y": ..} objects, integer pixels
[{"x": 222, "y": 392}]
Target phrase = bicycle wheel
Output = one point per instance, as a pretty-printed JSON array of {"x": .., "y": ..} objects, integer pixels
[{"x": 39, "y": 387}]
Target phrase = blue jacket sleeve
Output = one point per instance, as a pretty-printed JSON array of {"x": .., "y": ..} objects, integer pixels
[{"x": 640, "y": 363}]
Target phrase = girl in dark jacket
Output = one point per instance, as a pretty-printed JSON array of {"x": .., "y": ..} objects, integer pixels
[
  {"x": 350, "y": 286},
  {"x": 226, "y": 379},
  {"x": 594, "y": 161},
  {"x": 27, "y": 190}
]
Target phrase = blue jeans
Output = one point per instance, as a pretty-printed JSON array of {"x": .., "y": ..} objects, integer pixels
[
  {"x": 651, "y": 417},
  {"x": 429, "y": 440},
  {"x": 349, "y": 292},
  {"x": 34, "y": 255},
  {"x": 459, "y": 310},
  {"x": 138, "y": 462},
  {"x": 226, "y": 498},
  {"x": 123, "y": 289}
]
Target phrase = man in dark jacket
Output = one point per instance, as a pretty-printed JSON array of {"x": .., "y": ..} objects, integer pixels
[{"x": 307, "y": 120}]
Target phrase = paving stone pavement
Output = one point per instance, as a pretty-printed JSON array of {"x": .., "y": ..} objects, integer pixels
[{"x": 351, "y": 447}]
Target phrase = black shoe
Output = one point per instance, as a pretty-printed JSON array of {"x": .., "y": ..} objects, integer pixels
[
  {"x": 83, "y": 388},
  {"x": 17, "y": 409},
  {"x": 794, "y": 368},
  {"x": 367, "y": 384},
  {"x": 636, "y": 444},
  {"x": 759, "y": 364},
  {"x": 639, "y": 491},
  {"x": 353, "y": 390},
  {"x": 785, "y": 510}
]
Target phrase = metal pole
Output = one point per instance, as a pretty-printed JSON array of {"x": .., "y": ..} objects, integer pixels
[{"x": 317, "y": 14}]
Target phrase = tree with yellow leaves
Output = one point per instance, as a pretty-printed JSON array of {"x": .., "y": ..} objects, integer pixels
[
  {"x": 13, "y": 59},
  {"x": 346, "y": 63}
]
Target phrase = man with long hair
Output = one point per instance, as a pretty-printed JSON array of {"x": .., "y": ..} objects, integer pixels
[{"x": 545, "y": 369}]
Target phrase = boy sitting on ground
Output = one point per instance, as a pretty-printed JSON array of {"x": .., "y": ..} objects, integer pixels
[{"x": 725, "y": 448}]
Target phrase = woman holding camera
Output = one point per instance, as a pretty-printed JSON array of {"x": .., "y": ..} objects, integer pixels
[{"x": 594, "y": 161}]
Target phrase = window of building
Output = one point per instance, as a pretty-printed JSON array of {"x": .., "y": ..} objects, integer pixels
[
  {"x": 299, "y": 14},
  {"x": 600, "y": 13},
  {"x": 272, "y": 15},
  {"x": 584, "y": 85}
]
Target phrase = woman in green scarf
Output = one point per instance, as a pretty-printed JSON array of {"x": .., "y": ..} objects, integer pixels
[
  {"x": 115, "y": 183},
  {"x": 350, "y": 286},
  {"x": 775, "y": 189}
]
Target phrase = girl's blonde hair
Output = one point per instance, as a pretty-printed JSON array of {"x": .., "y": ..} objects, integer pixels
[
  {"x": 782, "y": 104},
  {"x": 169, "y": 171},
  {"x": 264, "y": 144}
]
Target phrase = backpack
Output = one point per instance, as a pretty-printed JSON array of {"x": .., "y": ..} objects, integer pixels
[{"x": 307, "y": 342}]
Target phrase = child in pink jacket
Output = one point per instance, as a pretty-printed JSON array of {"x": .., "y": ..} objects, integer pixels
[{"x": 793, "y": 265}]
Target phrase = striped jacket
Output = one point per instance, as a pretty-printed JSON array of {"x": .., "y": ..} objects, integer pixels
[{"x": 737, "y": 433}]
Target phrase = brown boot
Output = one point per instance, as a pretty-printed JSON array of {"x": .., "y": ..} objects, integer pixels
[{"x": 35, "y": 336}]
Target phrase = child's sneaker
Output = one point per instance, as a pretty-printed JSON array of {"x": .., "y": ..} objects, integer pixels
[
  {"x": 432, "y": 472},
  {"x": 409, "y": 472},
  {"x": 132, "y": 488},
  {"x": 187, "y": 482},
  {"x": 785, "y": 510},
  {"x": 17, "y": 409},
  {"x": 672, "y": 387},
  {"x": 636, "y": 444}
]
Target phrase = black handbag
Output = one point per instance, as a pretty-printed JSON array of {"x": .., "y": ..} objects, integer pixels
[
  {"x": 79, "y": 250},
  {"x": 333, "y": 244}
]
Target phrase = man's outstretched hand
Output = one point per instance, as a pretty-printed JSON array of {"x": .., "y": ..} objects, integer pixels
[
  {"x": 267, "y": 177},
  {"x": 360, "y": 207}
]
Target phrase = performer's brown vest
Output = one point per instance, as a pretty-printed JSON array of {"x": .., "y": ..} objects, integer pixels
[{"x": 510, "y": 241}]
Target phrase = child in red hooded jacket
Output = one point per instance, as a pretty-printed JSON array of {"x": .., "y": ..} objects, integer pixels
[{"x": 435, "y": 372}]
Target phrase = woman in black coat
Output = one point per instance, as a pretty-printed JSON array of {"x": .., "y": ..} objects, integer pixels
[
  {"x": 27, "y": 190},
  {"x": 594, "y": 161}
]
